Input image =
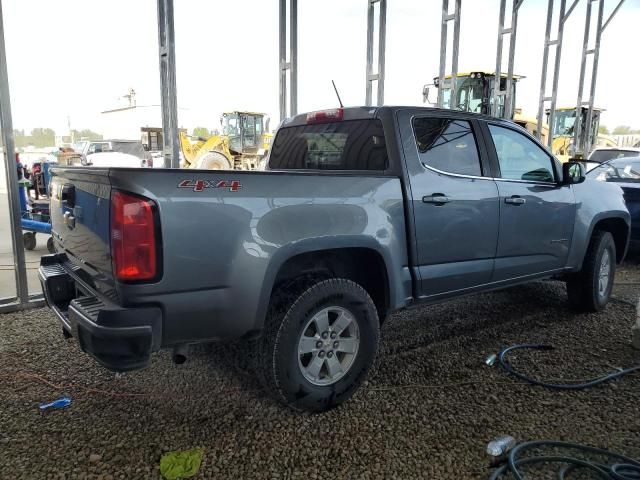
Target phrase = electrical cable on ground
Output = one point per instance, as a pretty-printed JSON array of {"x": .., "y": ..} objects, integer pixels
[
  {"x": 618, "y": 467},
  {"x": 506, "y": 366}
]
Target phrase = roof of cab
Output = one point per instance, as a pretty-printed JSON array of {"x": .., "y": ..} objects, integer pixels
[{"x": 362, "y": 113}]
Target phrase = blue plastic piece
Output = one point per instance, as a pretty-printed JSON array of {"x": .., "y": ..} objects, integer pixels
[
  {"x": 62, "y": 402},
  {"x": 35, "y": 226}
]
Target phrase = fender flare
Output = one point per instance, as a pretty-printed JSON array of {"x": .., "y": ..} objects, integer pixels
[{"x": 286, "y": 252}]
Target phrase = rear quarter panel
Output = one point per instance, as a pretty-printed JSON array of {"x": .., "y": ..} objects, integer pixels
[{"x": 222, "y": 249}]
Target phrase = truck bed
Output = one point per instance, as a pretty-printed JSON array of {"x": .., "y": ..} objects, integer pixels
[{"x": 222, "y": 237}]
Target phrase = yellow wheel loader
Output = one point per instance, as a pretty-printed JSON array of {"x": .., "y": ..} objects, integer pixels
[
  {"x": 474, "y": 92},
  {"x": 244, "y": 142},
  {"x": 563, "y": 133}
]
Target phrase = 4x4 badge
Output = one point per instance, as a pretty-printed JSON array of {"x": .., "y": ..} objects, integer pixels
[{"x": 200, "y": 185}]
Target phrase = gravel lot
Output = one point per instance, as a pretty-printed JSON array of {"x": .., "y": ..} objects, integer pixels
[{"x": 427, "y": 411}]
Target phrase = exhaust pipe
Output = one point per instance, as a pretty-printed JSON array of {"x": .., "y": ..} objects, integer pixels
[{"x": 179, "y": 355}]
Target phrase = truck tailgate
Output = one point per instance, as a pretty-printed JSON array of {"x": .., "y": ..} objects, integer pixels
[{"x": 80, "y": 211}]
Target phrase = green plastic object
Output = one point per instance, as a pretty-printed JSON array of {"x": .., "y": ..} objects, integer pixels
[{"x": 181, "y": 464}]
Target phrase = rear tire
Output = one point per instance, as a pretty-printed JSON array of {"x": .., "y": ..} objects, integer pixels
[
  {"x": 317, "y": 348},
  {"x": 589, "y": 290}
]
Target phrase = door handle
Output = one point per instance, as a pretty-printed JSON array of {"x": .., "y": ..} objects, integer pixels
[
  {"x": 515, "y": 200},
  {"x": 436, "y": 199}
]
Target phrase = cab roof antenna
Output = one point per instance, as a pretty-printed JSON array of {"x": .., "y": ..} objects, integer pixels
[{"x": 337, "y": 94}]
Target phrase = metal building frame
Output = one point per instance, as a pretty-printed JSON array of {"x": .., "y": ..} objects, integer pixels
[
  {"x": 563, "y": 15},
  {"x": 446, "y": 18},
  {"x": 382, "y": 29},
  {"x": 292, "y": 65},
  {"x": 502, "y": 31},
  {"x": 582, "y": 143},
  {"x": 22, "y": 298},
  {"x": 168, "y": 91}
]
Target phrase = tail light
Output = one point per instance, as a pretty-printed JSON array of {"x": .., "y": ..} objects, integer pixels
[
  {"x": 325, "y": 116},
  {"x": 133, "y": 237}
]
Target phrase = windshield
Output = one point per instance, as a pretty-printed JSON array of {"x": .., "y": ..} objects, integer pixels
[
  {"x": 475, "y": 94},
  {"x": 230, "y": 125},
  {"x": 563, "y": 122},
  {"x": 600, "y": 156},
  {"x": 80, "y": 146},
  {"x": 470, "y": 93},
  {"x": 619, "y": 170},
  {"x": 130, "y": 148}
]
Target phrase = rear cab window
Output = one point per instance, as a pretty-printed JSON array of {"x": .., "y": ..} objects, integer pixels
[
  {"x": 447, "y": 145},
  {"x": 343, "y": 145}
]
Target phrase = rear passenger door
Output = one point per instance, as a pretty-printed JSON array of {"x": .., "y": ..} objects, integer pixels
[
  {"x": 455, "y": 203},
  {"x": 537, "y": 214}
]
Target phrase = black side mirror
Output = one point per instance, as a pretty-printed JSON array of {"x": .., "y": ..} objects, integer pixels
[{"x": 572, "y": 173}]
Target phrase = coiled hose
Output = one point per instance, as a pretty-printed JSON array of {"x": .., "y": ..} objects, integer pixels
[
  {"x": 622, "y": 468},
  {"x": 556, "y": 386}
]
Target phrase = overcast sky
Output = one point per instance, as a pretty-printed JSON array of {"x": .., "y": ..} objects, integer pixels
[{"x": 76, "y": 57}]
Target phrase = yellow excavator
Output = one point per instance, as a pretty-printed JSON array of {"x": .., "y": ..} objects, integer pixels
[
  {"x": 564, "y": 121},
  {"x": 474, "y": 93},
  {"x": 244, "y": 142}
]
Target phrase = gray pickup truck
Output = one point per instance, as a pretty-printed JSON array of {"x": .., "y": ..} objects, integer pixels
[{"x": 364, "y": 211}]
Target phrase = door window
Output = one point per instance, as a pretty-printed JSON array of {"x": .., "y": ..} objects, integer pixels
[
  {"x": 521, "y": 158},
  {"x": 447, "y": 145}
]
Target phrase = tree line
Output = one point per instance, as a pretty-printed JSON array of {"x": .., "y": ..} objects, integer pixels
[
  {"x": 46, "y": 137},
  {"x": 619, "y": 130}
]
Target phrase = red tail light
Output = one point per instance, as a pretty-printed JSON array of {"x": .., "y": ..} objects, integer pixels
[
  {"x": 133, "y": 238},
  {"x": 325, "y": 116}
]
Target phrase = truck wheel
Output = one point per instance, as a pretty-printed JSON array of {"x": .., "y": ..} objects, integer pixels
[
  {"x": 589, "y": 290},
  {"x": 29, "y": 240},
  {"x": 317, "y": 348}
]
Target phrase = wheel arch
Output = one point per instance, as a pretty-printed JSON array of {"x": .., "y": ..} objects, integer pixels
[
  {"x": 363, "y": 262},
  {"x": 619, "y": 228}
]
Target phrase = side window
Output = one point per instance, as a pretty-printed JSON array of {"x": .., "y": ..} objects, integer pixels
[
  {"x": 447, "y": 145},
  {"x": 520, "y": 158}
]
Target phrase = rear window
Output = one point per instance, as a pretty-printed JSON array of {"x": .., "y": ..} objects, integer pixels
[{"x": 348, "y": 145}]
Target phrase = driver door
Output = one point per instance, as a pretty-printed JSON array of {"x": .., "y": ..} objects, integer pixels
[{"x": 536, "y": 213}]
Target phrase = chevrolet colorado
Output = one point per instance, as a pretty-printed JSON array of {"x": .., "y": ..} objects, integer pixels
[{"x": 363, "y": 211}]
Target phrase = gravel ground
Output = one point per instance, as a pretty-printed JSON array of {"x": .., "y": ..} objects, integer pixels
[{"x": 427, "y": 411}]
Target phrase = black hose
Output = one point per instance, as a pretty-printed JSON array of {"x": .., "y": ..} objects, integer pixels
[
  {"x": 556, "y": 386},
  {"x": 624, "y": 468}
]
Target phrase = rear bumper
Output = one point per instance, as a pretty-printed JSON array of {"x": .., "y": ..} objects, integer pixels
[{"x": 121, "y": 339}]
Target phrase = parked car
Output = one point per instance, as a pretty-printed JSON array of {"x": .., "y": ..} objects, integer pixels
[
  {"x": 364, "y": 211},
  {"x": 115, "y": 153},
  {"x": 624, "y": 172},
  {"x": 604, "y": 154}
]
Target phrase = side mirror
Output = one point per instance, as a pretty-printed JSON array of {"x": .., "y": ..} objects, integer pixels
[{"x": 572, "y": 173}]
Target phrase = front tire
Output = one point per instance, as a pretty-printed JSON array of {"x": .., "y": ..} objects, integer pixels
[
  {"x": 589, "y": 290},
  {"x": 318, "y": 347}
]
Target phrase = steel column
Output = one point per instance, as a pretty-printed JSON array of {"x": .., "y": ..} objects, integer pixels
[
  {"x": 446, "y": 18},
  {"x": 382, "y": 29},
  {"x": 167, "y": 56},
  {"x": 292, "y": 65},
  {"x": 582, "y": 140},
  {"x": 6, "y": 124},
  {"x": 512, "y": 31},
  {"x": 563, "y": 15}
]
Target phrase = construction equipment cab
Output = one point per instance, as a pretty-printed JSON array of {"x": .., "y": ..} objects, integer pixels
[
  {"x": 474, "y": 93},
  {"x": 564, "y": 145},
  {"x": 243, "y": 144}
]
